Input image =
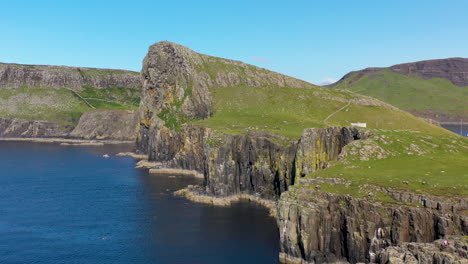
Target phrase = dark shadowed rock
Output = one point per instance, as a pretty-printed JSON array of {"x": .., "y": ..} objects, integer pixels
[{"x": 320, "y": 227}]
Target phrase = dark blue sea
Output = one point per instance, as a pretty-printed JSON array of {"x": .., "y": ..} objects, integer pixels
[
  {"x": 458, "y": 129},
  {"x": 61, "y": 204}
]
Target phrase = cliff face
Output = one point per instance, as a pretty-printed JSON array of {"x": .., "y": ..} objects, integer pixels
[
  {"x": 16, "y": 75},
  {"x": 320, "y": 227},
  {"x": 99, "y": 124},
  {"x": 20, "y": 128},
  {"x": 247, "y": 164},
  {"x": 107, "y": 124}
]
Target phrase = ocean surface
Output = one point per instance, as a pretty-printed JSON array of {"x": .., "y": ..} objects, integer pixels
[
  {"x": 61, "y": 204},
  {"x": 461, "y": 130}
]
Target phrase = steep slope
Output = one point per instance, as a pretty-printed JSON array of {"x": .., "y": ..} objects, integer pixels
[
  {"x": 435, "y": 89},
  {"x": 48, "y": 101},
  {"x": 253, "y": 133}
]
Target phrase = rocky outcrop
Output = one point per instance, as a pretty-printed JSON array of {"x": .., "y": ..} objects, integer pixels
[
  {"x": 74, "y": 78},
  {"x": 99, "y": 124},
  {"x": 321, "y": 227},
  {"x": 107, "y": 124},
  {"x": 20, "y": 128},
  {"x": 234, "y": 164},
  {"x": 455, "y": 252}
]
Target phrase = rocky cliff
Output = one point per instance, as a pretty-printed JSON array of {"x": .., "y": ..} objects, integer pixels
[
  {"x": 21, "y": 128},
  {"x": 18, "y": 75},
  {"x": 321, "y": 227},
  {"x": 107, "y": 124},
  {"x": 98, "y": 124}
]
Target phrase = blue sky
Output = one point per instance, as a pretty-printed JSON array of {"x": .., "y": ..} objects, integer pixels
[{"x": 310, "y": 40}]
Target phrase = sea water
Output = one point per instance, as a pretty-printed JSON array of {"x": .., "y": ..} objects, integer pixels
[{"x": 62, "y": 204}]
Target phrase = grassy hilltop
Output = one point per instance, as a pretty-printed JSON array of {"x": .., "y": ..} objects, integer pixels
[
  {"x": 287, "y": 111},
  {"x": 435, "y": 98}
]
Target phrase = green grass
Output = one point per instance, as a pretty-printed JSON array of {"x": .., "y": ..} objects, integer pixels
[
  {"x": 419, "y": 157},
  {"x": 62, "y": 105},
  {"x": 116, "y": 97},
  {"x": 103, "y": 72},
  {"x": 288, "y": 111},
  {"x": 439, "y": 168},
  {"x": 424, "y": 97}
]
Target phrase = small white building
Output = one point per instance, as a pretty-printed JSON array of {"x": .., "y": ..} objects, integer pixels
[{"x": 359, "y": 124}]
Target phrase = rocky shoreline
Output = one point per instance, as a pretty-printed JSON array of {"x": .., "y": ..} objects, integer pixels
[{"x": 196, "y": 194}]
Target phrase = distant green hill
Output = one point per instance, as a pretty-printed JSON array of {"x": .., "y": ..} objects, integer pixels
[{"x": 411, "y": 88}]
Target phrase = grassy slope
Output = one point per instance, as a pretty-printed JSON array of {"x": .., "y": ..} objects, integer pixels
[
  {"x": 437, "y": 167},
  {"x": 420, "y": 162},
  {"x": 61, "y": 105},
  {"x": 411, "y": 93}
]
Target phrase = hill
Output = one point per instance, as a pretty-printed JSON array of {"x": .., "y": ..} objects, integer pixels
[
  {"x": 53, "y": 98},
  {"x": 435, "y": 89},
  {"x": 208, "y": 101}
]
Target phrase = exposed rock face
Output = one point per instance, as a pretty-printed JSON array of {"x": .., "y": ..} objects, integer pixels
[
  {"x": 17, "y": 75},
  {"x": 319, "y": 227},
  {"x": 234, "y": 164},
  {"x": 107, "y": 124},
  {"x": 452, "y": 69},
  {"x": 99, "y": 124},
  {"x": 426, "y": 253},
  {"x": 20, "y": 128}
]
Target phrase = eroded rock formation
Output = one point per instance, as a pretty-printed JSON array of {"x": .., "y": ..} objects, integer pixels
[{"x": 321, "y": 227}]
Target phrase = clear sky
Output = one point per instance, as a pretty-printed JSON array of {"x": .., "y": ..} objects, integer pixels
[{"x": 310, "y": 40}]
